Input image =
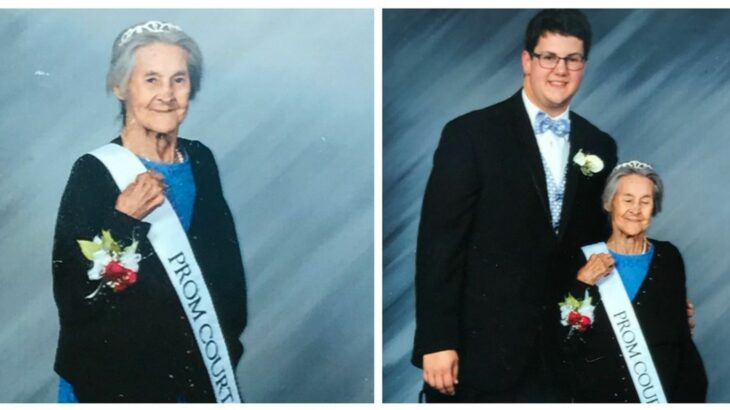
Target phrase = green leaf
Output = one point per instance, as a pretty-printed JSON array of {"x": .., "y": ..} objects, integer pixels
[
  {"x": 88, "y": 248},
  {"x": 108, "y": 242},
  {"x": 571, "y": 301}
]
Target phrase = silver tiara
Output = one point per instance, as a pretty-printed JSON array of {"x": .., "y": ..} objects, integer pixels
[
  {"x": 152, "y": 26},
  {"x": 634, "y": 164}
]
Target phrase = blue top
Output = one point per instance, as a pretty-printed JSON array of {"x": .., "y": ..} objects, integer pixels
[
  {"x": 180, "y": 186},
  {"x": 633, "y": 269},
  {"x": 181, "y": 194}
]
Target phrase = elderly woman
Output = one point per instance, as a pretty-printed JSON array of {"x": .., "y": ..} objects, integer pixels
[
  {"x": 147, "y": 271},
  {"x": 627, "y": 337}
]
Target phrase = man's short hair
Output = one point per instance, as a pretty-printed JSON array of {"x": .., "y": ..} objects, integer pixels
[{"x": 566, "y": 22}]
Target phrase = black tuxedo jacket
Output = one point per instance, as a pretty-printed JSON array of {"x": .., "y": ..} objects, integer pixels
[
  {"x": 487, "y": 254},
  {"x": 594, "y": 364}
]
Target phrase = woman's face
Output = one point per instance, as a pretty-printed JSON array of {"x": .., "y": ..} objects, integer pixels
[
  {"x": 632, "y": 205},
  {"x": 159, "y": 88}
]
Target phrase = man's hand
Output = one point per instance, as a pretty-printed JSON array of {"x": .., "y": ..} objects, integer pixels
[
  {"x": 690, "y": 313},
  {"x": 441, "y": 371}
]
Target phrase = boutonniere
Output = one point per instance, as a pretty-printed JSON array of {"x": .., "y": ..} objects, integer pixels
[
  {"x": 576, "y": 313},
  {"x": 114, "y": 266},
  {"x": 589, "y": 164}
]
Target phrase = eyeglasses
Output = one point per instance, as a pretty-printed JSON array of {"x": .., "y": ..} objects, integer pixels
[{"x": 548, "y": 61}]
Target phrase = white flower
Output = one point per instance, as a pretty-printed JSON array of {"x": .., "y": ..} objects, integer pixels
[
  {"x": 589, "y": 164},
  {"x": 587, "y": 311},
  {"x": 564, "y": 312},
  {"x": 101, "y": 259},
  {"x": 130, "y": 260},
  {"x": 586, "y": 308}
]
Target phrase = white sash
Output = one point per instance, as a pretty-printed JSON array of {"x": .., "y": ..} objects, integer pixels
[
  {"x": 170, "y": 242},
  {"x": 628, "y": 332}
]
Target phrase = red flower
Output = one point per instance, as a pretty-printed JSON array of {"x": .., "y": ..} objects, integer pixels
[
  {"x": 583, "y": 323},
  {"x": 574, "y": 318},
  {"x": 118, "y": 276},
  {"x": 114, "y": 271},
  {"x": 579, "y": 321}
]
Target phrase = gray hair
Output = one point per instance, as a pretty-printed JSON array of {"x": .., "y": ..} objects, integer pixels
[
  {"x": 140, "y": 35},
  {"x": 634, "y": 168}
]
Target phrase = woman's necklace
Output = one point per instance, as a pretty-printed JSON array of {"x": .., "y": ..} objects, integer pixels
[{"x": 179, "y": 157}]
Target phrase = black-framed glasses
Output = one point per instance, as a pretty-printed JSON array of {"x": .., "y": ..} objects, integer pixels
[{"x": 548, "y": 61}]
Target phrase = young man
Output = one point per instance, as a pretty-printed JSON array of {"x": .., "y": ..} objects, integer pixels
[{"x": 504, "y": 203}]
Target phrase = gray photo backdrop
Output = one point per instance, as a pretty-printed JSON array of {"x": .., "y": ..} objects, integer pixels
[
  {"x": 286, "y": 105},
  {"x": 656, "y": 80}
]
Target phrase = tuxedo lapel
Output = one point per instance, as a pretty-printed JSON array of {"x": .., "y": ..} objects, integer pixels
[
  {"x": 577, "y": 140},
  {"x": 525, "y": 136}
]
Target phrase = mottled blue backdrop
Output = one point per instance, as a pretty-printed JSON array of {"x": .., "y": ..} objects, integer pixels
[
  {"x": 657, "y": 81},
  {"x": 286, "y": 105}
]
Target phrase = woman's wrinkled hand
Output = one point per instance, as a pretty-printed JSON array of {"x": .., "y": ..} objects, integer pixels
[
  {"x": 142, "y": 196},
  {"x": 441, "y": 371},
  {"x": 598, "y": 266}
]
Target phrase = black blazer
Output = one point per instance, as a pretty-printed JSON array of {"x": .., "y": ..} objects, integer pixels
[
  {"x": 595, "y": 368},
  {"x": 136, "y": 345},
  {"x": 487, "y": 252}
]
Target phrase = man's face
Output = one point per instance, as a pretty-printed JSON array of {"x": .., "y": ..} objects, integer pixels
[{"x": 552, "y": 89}]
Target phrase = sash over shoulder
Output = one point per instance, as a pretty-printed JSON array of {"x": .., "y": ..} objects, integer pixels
[
  {"x": 628, "y": 333},
  {"x": 169, "y": 240}
]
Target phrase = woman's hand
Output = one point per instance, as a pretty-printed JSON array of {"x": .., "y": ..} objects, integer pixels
[
  {"x": 441, "y": 370},
  {"x": 142, "y": 196},
  {"x": 598, "y": 266}
]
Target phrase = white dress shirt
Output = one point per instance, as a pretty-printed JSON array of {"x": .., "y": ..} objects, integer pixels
[{"x": 554, "y": 150}]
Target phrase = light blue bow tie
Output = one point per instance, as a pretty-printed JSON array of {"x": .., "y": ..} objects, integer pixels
[{"x": 560, "y": 127}]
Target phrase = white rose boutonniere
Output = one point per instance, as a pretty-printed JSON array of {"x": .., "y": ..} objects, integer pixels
[{"x": 589, "y": 164}]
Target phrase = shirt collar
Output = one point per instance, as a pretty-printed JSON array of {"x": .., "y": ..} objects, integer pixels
[{"x": 532, "y": 110}]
